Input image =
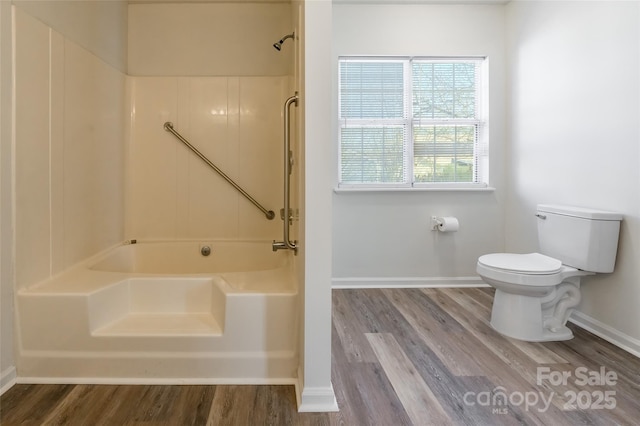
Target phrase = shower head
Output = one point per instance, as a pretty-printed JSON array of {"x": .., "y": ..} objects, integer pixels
[{"x": 278, "y": 44}]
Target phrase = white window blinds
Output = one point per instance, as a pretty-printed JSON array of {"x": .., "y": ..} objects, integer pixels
[
  {"x": 407, "y": 122},
  {"x": 374, "y": 114}
]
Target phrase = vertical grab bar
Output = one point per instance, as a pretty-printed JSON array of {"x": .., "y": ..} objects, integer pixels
[{"x": 288, "y": 163}]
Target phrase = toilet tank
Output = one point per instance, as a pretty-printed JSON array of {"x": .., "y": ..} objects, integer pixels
[{"x": 585, "y": 239}]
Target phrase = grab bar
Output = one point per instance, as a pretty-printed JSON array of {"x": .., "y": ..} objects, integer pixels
[
  {"x": 288, "y": 164},
  {"x": 168, "y": 126}
]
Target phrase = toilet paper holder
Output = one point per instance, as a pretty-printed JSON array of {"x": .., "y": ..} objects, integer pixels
[{"x": 438, "y": 222}]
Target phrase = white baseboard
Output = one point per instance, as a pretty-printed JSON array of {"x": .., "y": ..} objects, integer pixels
[
  {"x": 317, "y": 400},
  {"x": 610, "y": 334},
  {"x": 314, "y": 400},
  {"x": 406, "y": 282},
  {"x": 7, "y": 379},
  {"x": 151, "y": 381}
]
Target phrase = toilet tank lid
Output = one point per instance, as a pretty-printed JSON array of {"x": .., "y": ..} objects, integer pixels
[{"x": 581, "y": 212}]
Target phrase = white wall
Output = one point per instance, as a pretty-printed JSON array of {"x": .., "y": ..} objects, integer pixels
[
  {"x": 574, "y": 138},
  {"x": 386, "y": 236},
  {"x": 315, "y": 249}
]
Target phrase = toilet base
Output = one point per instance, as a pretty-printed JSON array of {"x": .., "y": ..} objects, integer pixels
[{"x": 520, "y": 317}]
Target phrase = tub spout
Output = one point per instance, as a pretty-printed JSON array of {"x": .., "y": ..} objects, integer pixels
[{"x": 282, "y": 245}]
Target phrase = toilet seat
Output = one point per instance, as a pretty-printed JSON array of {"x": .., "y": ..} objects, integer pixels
[
  {"x": 529, "y": 264},
  {"x": 532, "y": 269}
]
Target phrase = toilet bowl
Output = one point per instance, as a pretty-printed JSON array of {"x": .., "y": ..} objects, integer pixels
[
  {"x": 529, "y": 288},
  {"x": 536, "y": 292}
]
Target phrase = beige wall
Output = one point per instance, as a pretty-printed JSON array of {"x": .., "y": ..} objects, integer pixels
[
  {"x": 99, "y": 26},
  {"x": 7, "y": 370},
  {"x": 209, "y": 39},
  {"x": 69, "y": 162}
]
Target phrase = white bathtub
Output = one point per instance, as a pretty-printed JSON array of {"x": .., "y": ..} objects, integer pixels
[
  {"x": 161, "y": 312},
  {"x": 184, "y": 257}
]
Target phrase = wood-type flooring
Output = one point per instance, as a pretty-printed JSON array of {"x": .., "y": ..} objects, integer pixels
[{"x": 400, "y": 357}]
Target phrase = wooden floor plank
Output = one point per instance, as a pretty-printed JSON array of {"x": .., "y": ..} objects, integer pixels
[
  {"x": 475, "y": 301},
  {"x": 396, "y": 354},
  {"x": 381, "y": 404},
  {"x": 275, "y": 405},
  {"x": 427, "y": 318},
  {"x": 600, "y": 352},
  {"x": 359, "y": 386},
  {"x": 40, "y": 401},
  {"x": 347, "y": 324},
  {"x": 473, "y": 412},
  {"x": 418, "y": 399},
  {"x": 504, "y": 364},
  {"x": 505, "y": 348},
  {"x": 224, "y": 410},
  {"x": 91, "y": 403},
  {"x": 384, "y": 316}
]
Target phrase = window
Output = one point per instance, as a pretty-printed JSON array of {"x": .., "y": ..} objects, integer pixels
[{"x": 412, "y": 122}]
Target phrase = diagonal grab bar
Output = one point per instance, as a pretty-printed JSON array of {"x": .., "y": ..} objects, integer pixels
[{"x": 168, "y": 126}]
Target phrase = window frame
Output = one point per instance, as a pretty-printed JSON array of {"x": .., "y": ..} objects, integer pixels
[{"x": 481, "y": 122}]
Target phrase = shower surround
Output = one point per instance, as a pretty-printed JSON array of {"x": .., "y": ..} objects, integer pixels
[
  {"x": 236, "y": 122},
  {"x": 95, "y": 168}
]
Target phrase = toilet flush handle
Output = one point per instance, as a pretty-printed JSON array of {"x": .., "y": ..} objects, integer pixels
[{"x": 541, "y": 216}]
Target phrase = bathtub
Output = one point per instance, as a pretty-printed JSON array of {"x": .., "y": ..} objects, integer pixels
[
  {"x": 162, "y": 312},
  {"x": 247, "y": 266},
  {"x": 185, "y": 257}
]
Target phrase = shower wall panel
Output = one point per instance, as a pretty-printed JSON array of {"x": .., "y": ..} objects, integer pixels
[
  {"x": 236, "y": 122},
  {"x": 69, "y": 158}
]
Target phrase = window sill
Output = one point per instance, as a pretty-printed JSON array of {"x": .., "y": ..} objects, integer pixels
[{"x": 351, "y": 189}]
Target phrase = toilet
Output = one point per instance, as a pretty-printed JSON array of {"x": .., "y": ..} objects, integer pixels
[{"x": 536, "y": 292}]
